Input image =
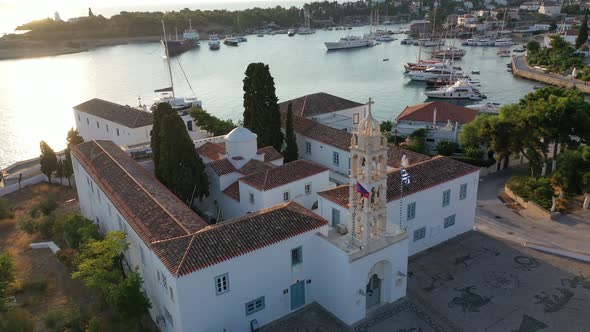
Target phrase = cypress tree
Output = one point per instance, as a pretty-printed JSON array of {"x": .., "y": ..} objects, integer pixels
[
  {"x": 161, "y": 110},
  {"x": 180, "y": 167},
  {"x": 72, "y": 139},
  {"x": 261, "y": 108},
  {"x": 48, "y": 160},
  {"x": 583, "y": 33},
  {"x": 291, "y": 152}
]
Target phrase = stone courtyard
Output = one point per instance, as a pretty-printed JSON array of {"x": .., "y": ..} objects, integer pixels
[{"x": 474, "y": 283}]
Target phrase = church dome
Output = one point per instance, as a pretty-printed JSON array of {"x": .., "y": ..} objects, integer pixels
[
  {"x": 240, "y": 134},
  {"x": 369, "y": 126}
]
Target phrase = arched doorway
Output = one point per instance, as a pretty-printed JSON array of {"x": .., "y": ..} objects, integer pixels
[
  {"x": 379, "y": 283},
  {"x": 373, "y": 291}
]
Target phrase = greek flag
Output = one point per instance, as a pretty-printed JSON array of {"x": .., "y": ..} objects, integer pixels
[{"x": 406, "y": 179}]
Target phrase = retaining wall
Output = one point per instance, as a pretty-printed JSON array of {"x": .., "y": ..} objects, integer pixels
[
  {"x": 551, "y": 79},
  {"x": 533, "y": 209}
]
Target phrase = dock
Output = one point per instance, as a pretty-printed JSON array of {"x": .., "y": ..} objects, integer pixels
[{"x": 521, "y": 68}]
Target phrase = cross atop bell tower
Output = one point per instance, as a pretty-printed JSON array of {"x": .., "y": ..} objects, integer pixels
[{"x": 368, "y": 181}]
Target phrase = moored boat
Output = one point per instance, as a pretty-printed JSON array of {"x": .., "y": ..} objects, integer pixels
[
  {"x": 349, "y": 42},
  {"x": 460, "y": 90}
]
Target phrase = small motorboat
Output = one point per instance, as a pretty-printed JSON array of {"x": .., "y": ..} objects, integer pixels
[
  {"x": 231, "y": 41},
  {"x": 475, "y": 72},
  {"x": 537, "y": 87},
  {"x": 519, "y": 50},
  {"x": 386, "y": 59}
]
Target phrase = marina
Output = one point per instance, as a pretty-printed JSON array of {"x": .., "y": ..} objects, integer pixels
[{"x": 299, "y": 65}]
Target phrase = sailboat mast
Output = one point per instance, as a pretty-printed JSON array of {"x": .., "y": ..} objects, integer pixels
[{"x": 168, "y": 58}]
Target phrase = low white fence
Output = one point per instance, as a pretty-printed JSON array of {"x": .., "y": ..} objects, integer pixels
[{"x": 31, "y": 181}]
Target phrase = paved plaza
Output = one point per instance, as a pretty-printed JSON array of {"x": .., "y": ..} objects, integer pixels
[{"x": 474, "y": 283}]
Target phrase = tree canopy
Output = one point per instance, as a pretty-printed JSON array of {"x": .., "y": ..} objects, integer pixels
[
  {"x": 73, "y": 138},
  {"x": 582, "y": 37},
  {"x": 261, "y": 109},
  {"x": 559, "y": 57},
  {"x": 176, "y": 162},
  {"x": 573, "y": 172},
  {"x": 291, "y": 152},
  {"x": 7, "y": 277},
  {"x": 211, "y": 123},
  {"x": 48, "y": 160}
]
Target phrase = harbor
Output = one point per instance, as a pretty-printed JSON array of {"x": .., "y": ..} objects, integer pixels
[{"x": 300, "y": 65}]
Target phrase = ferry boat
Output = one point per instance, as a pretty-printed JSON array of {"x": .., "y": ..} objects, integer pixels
[
  {"x": 460, "y": 90},
  {"x": 214, "y": 42},
  {"x": 349, "y": 42}
]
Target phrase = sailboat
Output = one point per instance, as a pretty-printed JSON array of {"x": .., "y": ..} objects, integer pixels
[{"x": 167, "y": 95}]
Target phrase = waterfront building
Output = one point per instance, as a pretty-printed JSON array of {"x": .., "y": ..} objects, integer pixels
[
  {"x": 466, "y": 19},
  {"x": 443, "y": 121},
  {"x": 350, "y": 257},
  {"x": 550, "y": 9},
  {"x": 243, "y": 179},
  {"x": 419, "y": 27},
  {"x": 530, "y": 6},
  {"x": 327, "y": 109},
  {"x": 98, "y": 119}
]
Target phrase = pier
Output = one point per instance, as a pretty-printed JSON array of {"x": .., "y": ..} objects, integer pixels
[{"x": 521, "y": 68}]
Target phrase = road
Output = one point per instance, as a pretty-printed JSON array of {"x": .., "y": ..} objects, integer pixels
[
  {"x": 519, "y": 62},
  {"x": 495, "y": 218}
]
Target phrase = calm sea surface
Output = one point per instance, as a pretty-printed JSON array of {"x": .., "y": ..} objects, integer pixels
[{"x": 37, "y": 95}]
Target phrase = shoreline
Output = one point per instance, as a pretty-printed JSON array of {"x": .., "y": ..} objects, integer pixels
[{"x": 25, "y": 49}]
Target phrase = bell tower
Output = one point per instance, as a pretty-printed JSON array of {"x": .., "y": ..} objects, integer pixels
[{"x": 368, "y": 182}]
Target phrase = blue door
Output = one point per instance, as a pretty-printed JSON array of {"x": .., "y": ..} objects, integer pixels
[
  {"x": 335, "y": 217},
  {"x": 297, "y": 295}
]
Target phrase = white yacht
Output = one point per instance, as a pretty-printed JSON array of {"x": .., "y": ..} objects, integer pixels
[
  {"x": 350, "y": 42},
  {"x": 462, "y": 89},
  {"x": 503, "y": 42},
  {"x": 434, "y": 73},
  {"x": 214, "y": 42},
  {"x": 491, "y": 108},
  {"x": 385, "y": 38},
  {"x": 486, "y": 42}
]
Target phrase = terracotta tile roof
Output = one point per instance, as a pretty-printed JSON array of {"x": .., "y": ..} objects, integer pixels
[
  {"x": 233, "y": 191},
  {"x": 124, "y": 115},
  {"x": 255, "y": 166},
  {"x": 320, "y": 132},
  {"x": 270, "y": 154},
  {"x": 287, "y": 173},
  {"x": 213, "y": 151},
  {"x": 222, "y": 167},
  {"x": 395, "y": 153},
  {"x": 444, "y": 112},
  {"x": 424, "y": 175},
  {"x": 317, "y": 103},
  {"x": 236, "y": 237},
  {"x": 152, "y": 210}
]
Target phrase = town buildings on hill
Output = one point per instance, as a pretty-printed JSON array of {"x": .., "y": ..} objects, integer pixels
[{"x": 335, "y": 227}]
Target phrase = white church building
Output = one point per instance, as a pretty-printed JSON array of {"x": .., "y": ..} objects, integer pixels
[{"x": 262, "y": 261}]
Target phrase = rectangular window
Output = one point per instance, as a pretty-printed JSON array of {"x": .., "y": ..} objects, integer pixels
[
  {"x": 117, "y": 131},
  {"x": 463, "y": 193},
  {"x": 449, "y": 221},
  {"x": 296, "y": 256},
  {"x": 255, "y": 305},
  {"x": 79, "y": 117},
  {"x": 308, "y": 189},
  {"x": 87, "y": 121},
  {"x": 171, "y": 294},
  {"x": 286, "y": 196},
  {"x": 107, "y": 128},
  {"x": 164, "y": 282},
  {"x": 168, "y": 317},
  {"x": 221, "y": 284},
  {"x": 355, "y": 118},
  {"x": 142, "y": 255},
  {"x": 120, "y": 222},
  {"x": 308, "y": 148},
  {"x": 97, "y": 125},
  {"x": 411, "y": 214},
  {"x": 336, "y": 158},
  {"x": 335, "y": 217},
  {"x": 420, "y": 233},
  {"x": 251, "y": 198},
  {"x": 446, "y": 197}
]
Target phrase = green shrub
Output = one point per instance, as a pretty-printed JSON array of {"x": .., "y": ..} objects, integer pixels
[
  {"x": 67, "y": 256},
  {"x": 64, "y": 317},
  {"x": 473, "y": 152},
  {"x": 446, "y": 148},
  {"x": 538, "y": 190},
  {"x": 5, "y": 209},
  {"x": 37, "y": 285},
  {"x": 16, "y": 320},
  {"x": 93, "y": 325},
  {"x": 78, "y": 230},
  {"x": 45, "y": 226},
  {"x": 46, "y": 207},
  {"x": 28, "y": 225}
]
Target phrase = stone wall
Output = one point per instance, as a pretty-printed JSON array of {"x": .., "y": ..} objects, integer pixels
[{"x": 533, "y": 209}]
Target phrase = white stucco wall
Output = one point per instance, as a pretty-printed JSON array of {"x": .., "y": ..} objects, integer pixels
[
  {"x": 429, "y": 212},
  {"x": 265, "y": 272},
  {"x": 345, "y": 119},
  {"x": 86, "y": 125},
  {"x": 322, "y": 154},
  {"x": 95, "y": 206}
]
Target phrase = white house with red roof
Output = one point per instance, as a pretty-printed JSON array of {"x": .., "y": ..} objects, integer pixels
[
  {"x": 244, "y": 179},
  {"x": 324, "y": 108},
  {"x": 443, "y": 121}
]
